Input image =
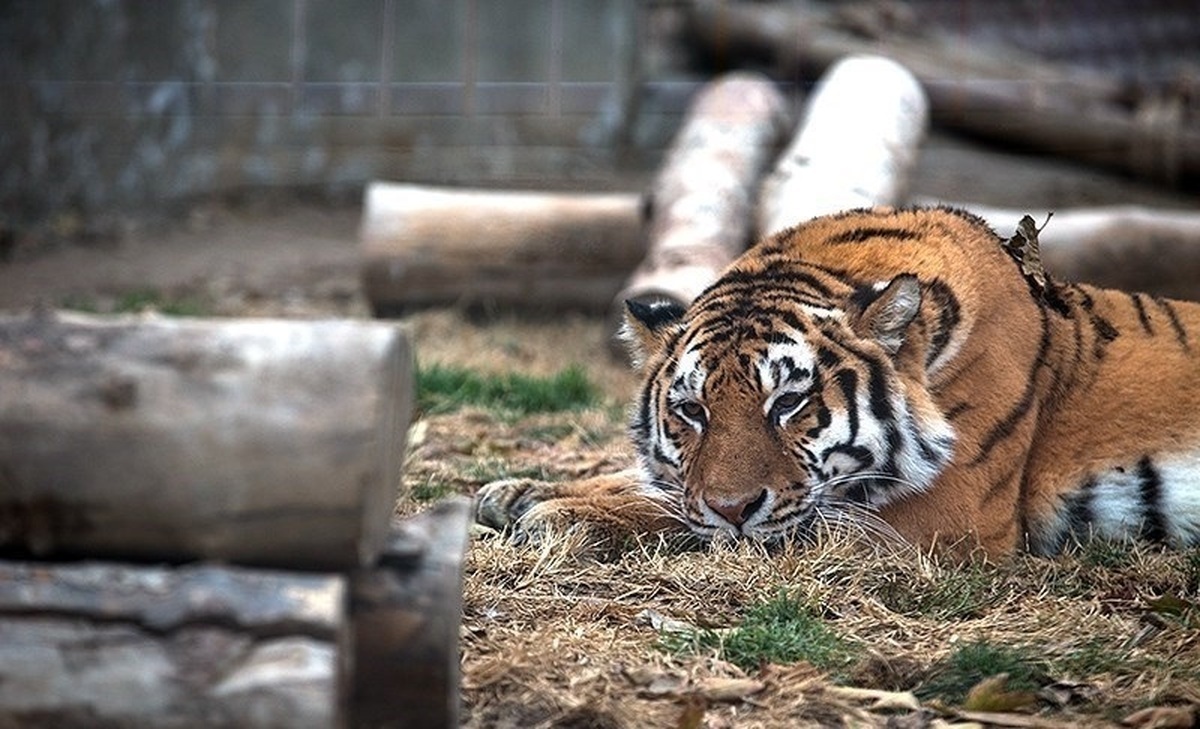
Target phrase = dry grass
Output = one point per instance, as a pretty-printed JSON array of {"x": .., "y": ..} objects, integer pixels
[{"x": 574, "y": 632}]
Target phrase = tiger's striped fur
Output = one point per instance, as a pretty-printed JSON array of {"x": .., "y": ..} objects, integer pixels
[{"x": 896, "y": 367}]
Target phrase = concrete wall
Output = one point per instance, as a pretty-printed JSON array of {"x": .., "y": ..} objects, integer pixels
[{"x": 129, "y": 104}]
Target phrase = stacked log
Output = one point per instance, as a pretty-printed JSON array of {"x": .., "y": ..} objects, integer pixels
[
  {"x": 263, "y": 442},
  {"x": 230, "y": 486}
]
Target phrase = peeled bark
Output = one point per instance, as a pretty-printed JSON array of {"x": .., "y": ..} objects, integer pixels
[{"x": 261, "y": 442}]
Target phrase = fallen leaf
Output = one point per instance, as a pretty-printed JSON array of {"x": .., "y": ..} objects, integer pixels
[
  {"x": 991, "y": 694},
  {"x": 692, "y": 716},
  {"x": 1170, "y": 605},
  {"x": 881, "y": 700},
  {"x": 1021, "y": 721},
  {"x": 729, "y": 689},
  {"x": 1066, "y": 693},
  {"x": 1163, "y": 717},
  {"x": 662, "y": 623}
]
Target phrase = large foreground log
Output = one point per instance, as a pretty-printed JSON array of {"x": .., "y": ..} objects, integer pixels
[
  {"x": 113, "y": 645},
  {"x": 1004, "y": 96},
  {"x": 424, "y": 246},
  {"x": 702, "y": 202},
  {"x": 856, "y": 147},
  {"x": 262, "y": 442},
  {"x": 110, "y": 644}
]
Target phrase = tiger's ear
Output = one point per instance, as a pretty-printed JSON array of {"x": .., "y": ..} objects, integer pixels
[
  {"x": 887, "y": 314},
  {"x": 648, "y": 325}
]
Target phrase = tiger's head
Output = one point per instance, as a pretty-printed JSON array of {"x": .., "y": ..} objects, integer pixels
[{"x": 783, "y": 399}]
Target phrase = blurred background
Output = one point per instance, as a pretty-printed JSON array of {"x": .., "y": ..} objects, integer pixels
[{"x": 123, "y": 114}]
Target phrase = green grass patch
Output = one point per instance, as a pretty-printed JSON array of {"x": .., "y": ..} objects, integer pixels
[
  {"x": 781, "y": 630},
  {"x": 1107, "y": 554},
  {"x": 1092, "y": 658},
  {"x": 444, "y": 389},
  {"x": 495, "y": 469},
  {"x": 962, "y": 593},
  {"x": 429, "y": 491},
  {"x": 952, "y": 678}
]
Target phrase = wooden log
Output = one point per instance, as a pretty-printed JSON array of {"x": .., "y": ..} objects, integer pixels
[
  {"x": 701, "y": 205},
  {"x": 97, "y": 644},
  {"x": 971, "y": 87},
  {"x": 407, "y": 613},
  {"x": 855, "y": 148},
  {"x": 1126, "y": 247},
  {"x": 423, "y": 246},
  {"x": 275, "y": 443}
]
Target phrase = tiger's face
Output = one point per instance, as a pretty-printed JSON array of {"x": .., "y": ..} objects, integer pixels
[{"x": 767, "y": 409}]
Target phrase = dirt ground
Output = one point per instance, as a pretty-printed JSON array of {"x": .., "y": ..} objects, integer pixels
[{"x": 570, "y": 633}]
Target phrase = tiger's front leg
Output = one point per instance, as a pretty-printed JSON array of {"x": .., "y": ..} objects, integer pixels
[{"x": 617, "y": 504}]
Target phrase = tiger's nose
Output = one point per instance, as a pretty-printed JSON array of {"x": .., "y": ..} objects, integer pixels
[{"x": 737, "y": 511}]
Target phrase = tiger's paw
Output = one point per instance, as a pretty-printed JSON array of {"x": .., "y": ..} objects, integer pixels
[{"x": 506, "y": 505}]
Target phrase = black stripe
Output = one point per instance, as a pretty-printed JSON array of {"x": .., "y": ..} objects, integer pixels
[
  {"x": 957, "y": 410},
  {"x": 823, "y": 420},
  {"x": 948, "y": 318},
  {"x": 1169, "y": 309},
  {"x": 1104, "y": 329},
  {"x": 826, "y": 358},
  {"x": 927, "y": 451},
  {"x": 847, "y": 381},
  {"x": 1141, "y": 312},
  {"x": 1154, "y": 526},
  {"x": 1079, "y": 508},
  {"x": 736, "y": 280},
  {"x": 1005, "y": 427},
  {"x": 858, "y": 235}
]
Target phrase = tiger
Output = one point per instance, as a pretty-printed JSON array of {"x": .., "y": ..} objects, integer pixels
[{"x": 903, "y": 370}]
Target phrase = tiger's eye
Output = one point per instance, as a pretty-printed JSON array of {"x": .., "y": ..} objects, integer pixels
[
  {"x": 693, "y": 411},
  {"x": 786, "y": 403}
]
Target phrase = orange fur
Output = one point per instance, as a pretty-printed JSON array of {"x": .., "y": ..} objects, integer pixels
[{"x": 1061, "y": 412}]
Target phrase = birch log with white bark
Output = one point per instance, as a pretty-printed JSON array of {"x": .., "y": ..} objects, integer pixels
[
  {"x": 423, "y": 246},
  {"x": 263, "y": 442},
  {"x": 701, "y": 205},
  {"x": 855, "y": 148}
]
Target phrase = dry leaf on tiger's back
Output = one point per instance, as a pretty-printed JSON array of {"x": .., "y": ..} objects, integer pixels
[
  {"x": 1163, "y": 717},
  {"x": 991, "y": 694}
]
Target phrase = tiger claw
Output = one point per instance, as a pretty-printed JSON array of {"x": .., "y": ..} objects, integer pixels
[{"x": 501, "y": 504}]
